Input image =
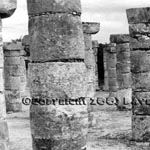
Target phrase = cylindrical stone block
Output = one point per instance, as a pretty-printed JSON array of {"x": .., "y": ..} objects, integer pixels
[
  {"x": 58, "y": 126},
  {"x": 64, "y": 41}
]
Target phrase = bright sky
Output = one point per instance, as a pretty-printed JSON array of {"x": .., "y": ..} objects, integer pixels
[{"x": 109, "y": 13}]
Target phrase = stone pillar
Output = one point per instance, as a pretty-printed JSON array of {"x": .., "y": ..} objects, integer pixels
[
  {"x": 57, "y": 75},
  {"x": 124, "y": 92},
  {"x": 139, "y": 28},
  {"x": 13, "y": 71},
  {"x": 106, "y": 77},
  {"x": 95, "y": 46},
  {"x": 7, "y": 8},
  {"x": 88, "y": 30},
  {"x": 111, "y": 65}
]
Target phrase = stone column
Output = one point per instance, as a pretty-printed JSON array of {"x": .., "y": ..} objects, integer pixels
[
  {"x": 124, "y": 93},
  {"x": 13, "y": 72},
  {"x": 7, "y": 8},
  {"x": 95, "y": 46},
  {"x": 112, "y": 73},
  {"x": 90, "y": 28},
  {"x": 57, "y": 75},
  {"x": 139, "y": 28},
  {"x": 106, "y": 77}
]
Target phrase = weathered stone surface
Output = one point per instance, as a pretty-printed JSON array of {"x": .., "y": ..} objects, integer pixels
[
  {"x": 124, "y": 97},
  {"x": 119, "y": 38},
  {"x": 112, "y": 82},
  {"x": 123, "y": 57},
  {"x": 12, "y": 53},
  {"x": 95, "y": 44},
  {"x": 88, "y": 41},
  {"x": 111, "y": 48},
  {"x": 90, "y": 90},
  {"x": 141, "y": 42},
  {"x": 55, "y": 37},
  {"x": 123, "y": 47},
  {"x": 91, "y": 27},
  {"x": 12, "y": 61},
  {"x": 1, "y": 57},
  {"x": 54, "y": 6},
  {"x": 13, "y": 70},
  {"x": 89, "y": 59},
  {"x": 26, "y": 41},
  {"x": 13, "y": 83},
  {"x": 106, "y": 84},
  {"x": 12, "y": 96},
  {"x": 2, "y": 106},
  {"x": 126, "y": 68},
  {"x": 7, "y": 8},
  {"x": 67, "y": 76},
  {"x": 64, "y": 126},
  {"x": 141, "y": 28},
  {"x": 1, "y": 80},
  {"x": 141, "y": 128},
  {"x": 127, "y": 80},
  {"x": 111, "y": 61},
  {"x": 113, "y": 88},
  {"x": 141, "y": 103},
  {"x": 141, "y": 81},
  {"x": 14, "y": 107},
  {"x": 138, "y": 15},
  {"x": 140, "y": 61},
  {"x": 13, "y": 46},
  {"x": 112, "y": 72}
]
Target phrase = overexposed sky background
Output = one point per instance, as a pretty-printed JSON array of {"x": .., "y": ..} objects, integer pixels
[{"x": 111, "y": 14}]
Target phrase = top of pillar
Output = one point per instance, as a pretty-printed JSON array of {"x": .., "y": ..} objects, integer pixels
[
  {"x": 111, "y": 48},
  {"x": 26, "y": 40},
  {"x": 36, "y": 7},
  {"x": 7, "y": 8},
  {"x": 91, "y": 27},
  {"x": 95, "y": 44},
  {"x": 119, "y": 38},
  {"x": 138, "y": 15},
  {"x": 12, "y": 46}
]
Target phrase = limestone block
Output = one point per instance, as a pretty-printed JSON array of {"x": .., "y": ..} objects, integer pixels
[
  {"x": 112, "y": 82},
  {"x": 141, "y": 28},
  {"x": 12, "y": 61},
  {"x": 90, "y": 75},
  {"x": 141, "y": 103},
  {"x": 88, "y": 42},
  {"x": 123, "y": 57},
  {"x": 7, "y": 8},
  {"x": 112, "y": 72},
  {"x": 89, "y": 59},
  {"x": 126, "y": 68},
  {"x": 91, "y": 27},
  {"x": 67, "y": 76},
  {"x": 53, "y": 6},
  {"x": 124, "y": 97},
  {"x": 106, "y": 84},
  {"x": 138, "y": 15},
  {"x": 90, "y": 93},
  {"x": 141, "y": 128},
  {"x": 14, "y": 107},
  {"x": 12, "y": 83},
  {"x": 13, "y": 70},
  {"x": 1, "y": 80},
  {"x": 2, "y": 106},
  {"x": 55, "y": 37},
  {"x": 141, "y": 81},
  {"x": 140, "y": 61},
  {"x": 141, "y": 42},
  {"x": 26, "y": 41},
  {"x": 1, "y": 57},
  {"x": 123, "y": 47},
  {"x": 13, "y": 53},
  {"x": 95, "y": 44},
  {"x": 127, "y": 80},
  {"x": 119, "y": 38}
]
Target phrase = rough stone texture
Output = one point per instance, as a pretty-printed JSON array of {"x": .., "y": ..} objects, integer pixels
[
  {"x": 125, "y": 47},
  {"x": 54, "y": 6},
  {"x": 1, "y": 80},
  {"x": 141, "y": 103},
  {"x": 141, "y": 28},
  {"x": 26, "y": 41},
  {"x": 140, "y": 61},
  {"x": 55, "y": 37},
  {"x": 140, "y": 42},
  {"x": 64, "y": 126},
  {"x": 141, "y": 128},
  {"x": 119, "y": 38},
  {"x": 91, "y": 27},
  {"x": 138, "y": 15},
  {"x": 1, "y": 57},
  {"x": 7, "y": 8},
  {"x": 141, "y": 81},
  {"x": 87, "y": 42}
]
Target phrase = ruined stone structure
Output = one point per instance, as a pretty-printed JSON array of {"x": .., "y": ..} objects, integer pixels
[
  {"x": 57, "y": 73},
  {"x": 123, "y": 69},
  {"x": 7, "y": 8},
  {"x": 95, "y": 46},
  {"x": 139, "y": 28}
]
